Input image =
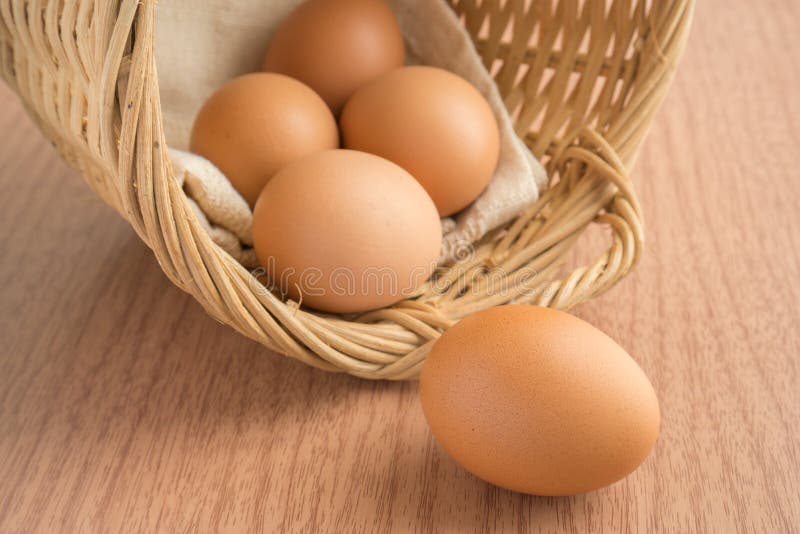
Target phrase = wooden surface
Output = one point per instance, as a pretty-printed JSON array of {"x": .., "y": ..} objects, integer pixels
[{"x": 123, "y": 407}]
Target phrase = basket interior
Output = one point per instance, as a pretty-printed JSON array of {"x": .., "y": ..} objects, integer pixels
[{"x": 562, "y": 67}]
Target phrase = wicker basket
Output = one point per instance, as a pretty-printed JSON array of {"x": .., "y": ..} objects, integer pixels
[{"x": 582, "y": 79}]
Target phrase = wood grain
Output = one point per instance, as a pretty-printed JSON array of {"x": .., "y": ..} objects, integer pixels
[{"x": 123, "y": 407}]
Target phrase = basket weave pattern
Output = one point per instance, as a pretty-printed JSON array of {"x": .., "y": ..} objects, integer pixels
[{"x": 582, "y": 79}]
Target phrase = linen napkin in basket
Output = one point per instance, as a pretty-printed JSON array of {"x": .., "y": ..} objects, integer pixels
[{"x": 199, "y": 46}]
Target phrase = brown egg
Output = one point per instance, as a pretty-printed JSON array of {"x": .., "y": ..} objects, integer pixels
[
  {"x": 336, "y": 46},
  {"x": 432, "y": 123},
  {"x": 538, "y": 401},
  {"x": 256, "y": 124},
  {"x": 346, "y": 232}
]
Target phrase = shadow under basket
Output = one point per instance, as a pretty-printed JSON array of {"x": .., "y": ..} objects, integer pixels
[{"x": 582, "y": 80}]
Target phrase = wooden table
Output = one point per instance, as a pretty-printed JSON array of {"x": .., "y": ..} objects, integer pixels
[{"x": 123, "y": 407}]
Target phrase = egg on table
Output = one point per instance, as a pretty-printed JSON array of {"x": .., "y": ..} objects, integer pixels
[
  {"x": 538, "y": 401},
  {"x": 432, "y": 123},
  {"x": 256, "y": 124},
  {"x": 344, "y": 231},
  {"x": 336, "y": 46}
]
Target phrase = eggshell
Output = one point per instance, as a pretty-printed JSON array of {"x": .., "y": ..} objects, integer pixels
[
  {"x": 257, "y": 123},
  {"x": 538, "y": 401},
  {"x": 336, "y": 46},
  {"x": 346, "y": 232},
  {"x": 432, "y": 123}
]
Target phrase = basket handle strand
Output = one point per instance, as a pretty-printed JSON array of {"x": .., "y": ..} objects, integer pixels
[{"x": 599, "y": 191}]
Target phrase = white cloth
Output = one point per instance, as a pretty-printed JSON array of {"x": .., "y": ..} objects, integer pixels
[{"x": 201, "y": 45}]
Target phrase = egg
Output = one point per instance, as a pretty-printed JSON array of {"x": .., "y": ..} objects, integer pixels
[
  {"x": 344, "y": 231},
  {"x": 538, "y": 401},
  {"x": 336, "y": 46},
  {"x": 432, "y": 123},
  {"x": 258, "y": 123}
]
